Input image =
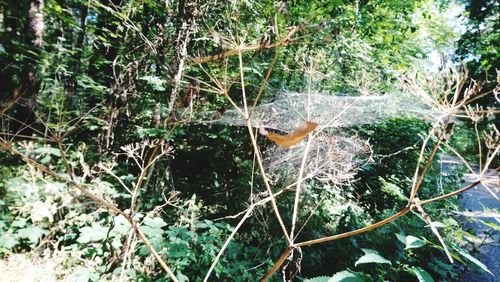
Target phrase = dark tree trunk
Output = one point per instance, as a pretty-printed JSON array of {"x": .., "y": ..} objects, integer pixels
[{"x": 21, "y": 87}]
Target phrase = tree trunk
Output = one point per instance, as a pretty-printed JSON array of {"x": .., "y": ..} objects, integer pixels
[{"x": 26, "y": 27}]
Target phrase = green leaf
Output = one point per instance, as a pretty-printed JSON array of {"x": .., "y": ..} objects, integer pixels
[
  {"x": 32, "y": 233},
  {"x": 122, "y": 226},
  {"x": 413, "y": 242},
  {"x": 392, "y": 190},
  {"x": 422, "y": 275},
  {"x": 156, "y": 83},
  {"x": 342, "y": 276},
  {"x": 151, "y": 231},
  {"x": 371, "y": 256},
  {"x": 490, "y": 224},
  {"x": 345, "y": 276},
  {"x": 154, "y": 222},
  {"x": 82, "y": 274},
  {"x": 474, "y": 260},
  {"x": 401, "y": 238},
  {"x": 8, "y": 241},
  {"x": 318, "y": 279},
  {"x": 20, "y": 222},
  {"x": 437, "y": 224},
  {"x": 144, "y": 251},
  {"x": 92, "y": 234}
]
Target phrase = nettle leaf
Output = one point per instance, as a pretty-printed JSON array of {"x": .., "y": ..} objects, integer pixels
[
  {"x": 437, "y": 224},
  {"x": 422, "y": 275},
  {"x": 81, "y": 274},
  {"x": 474, "y": 260},
  {"x": 345, "y": 276},
  {"x": 47, "y": 151},
  {"x": 401, "y": 238},
  {"x": 155, "y": 243},
  {"x": 93, "y": 233},
  {"x": 19, "y": 222},
  {"x": 342, "y": 276},
  {"x": 318, "y": 279},
  {"x": 8, "y": 241},
  {"x": 122, "y": 226},
  {"x": 371, "y": 256},
  {"x": 32, "y": 233},
  {"x": 413, "y": 242},
  {"x": 154, "y": 222},
  {"x": 152, "y": 227}
]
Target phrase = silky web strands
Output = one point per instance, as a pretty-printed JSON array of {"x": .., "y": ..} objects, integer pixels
[{"x": 333, "y": 154}]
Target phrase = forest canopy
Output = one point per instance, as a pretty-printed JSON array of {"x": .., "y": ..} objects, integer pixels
[{"x": 245, "y": 140}]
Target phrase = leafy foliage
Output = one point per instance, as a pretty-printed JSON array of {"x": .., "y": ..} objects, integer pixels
[{"x": 122, "y": 109}]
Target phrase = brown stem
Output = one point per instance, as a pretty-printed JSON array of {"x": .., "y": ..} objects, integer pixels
[
  {"x": 427, "y": 165},
  {"x": 233, "y": 52},
  {"x": 277, "y": 264},
  {"x": 263, "y": 85},
  {"x": 470, "y": 186},
  {"x": 401, "y": 213},
  {"x": 153, "y": 251},
  {"x": 357, "y": 231},
  {"x": 65, "y": 159},
  {"x": 266, "y": 181}
]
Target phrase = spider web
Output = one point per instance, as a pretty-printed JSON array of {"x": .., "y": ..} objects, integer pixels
[
  {"x": 333, "y": 156},
  {"x": 289, "y": 110}
]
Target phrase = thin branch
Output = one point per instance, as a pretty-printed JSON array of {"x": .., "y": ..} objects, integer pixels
[
  {"x": 277, "y": 264},
  {"x": 266, "y": 79},
  {"x": 461, "y": 190},
  {"x": 297, "y": 191},
  {"x": 242, "y": 81},
  {"x": 266, "y": 180},
  {"x": 155, "y": 254},
  {"x": 228, "y": 240},
  {"x": 233, "y": 52},
  {"x": 418, "y": 182},
  {"x": 357, "y": 231},
  {"x": 309, "y": 217}
]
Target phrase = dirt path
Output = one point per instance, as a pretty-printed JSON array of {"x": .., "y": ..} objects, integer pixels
[{"x": 479, "y": 205}]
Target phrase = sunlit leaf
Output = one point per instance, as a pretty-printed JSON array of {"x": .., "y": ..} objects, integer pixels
[
  {"x": 371, "y": 256},
  {"x": 422, "y": 275}
]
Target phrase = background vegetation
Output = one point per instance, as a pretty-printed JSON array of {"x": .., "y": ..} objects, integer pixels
[{"x": 114, "y": 167}]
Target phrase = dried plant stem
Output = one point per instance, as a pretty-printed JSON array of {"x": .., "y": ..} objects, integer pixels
[
  {"x": 266, "y": 180},
  {"x": 459, "y": 156},
  {"x": 479, "y": 147},
  {"x": 264, "y": 83},
  {"x": 401, "y": 213},
  {"x": 233, "y": 52},
  {"x": 299, "y": 185},
  {"x": 65, "y": 160},
  {"x": 357, "y": 231},
  {"x": 155, "y": 254},
  {"x": 418, "y": 182},
  {"x": 246, "y": 114},
  {"x": 277, "y": 264},
  {"x": 228, "y": 240}
]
